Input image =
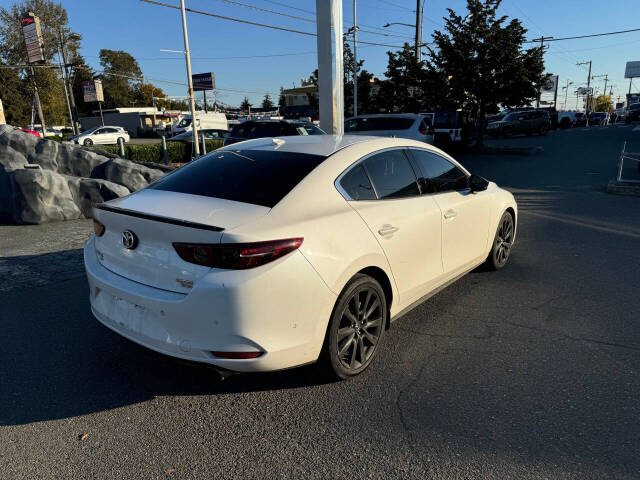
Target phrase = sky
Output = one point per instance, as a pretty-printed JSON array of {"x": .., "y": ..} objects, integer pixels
[{"x": 219, "y": 46}]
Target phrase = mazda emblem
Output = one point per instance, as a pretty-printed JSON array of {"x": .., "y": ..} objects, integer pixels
[{"x": 129, "y": 240}]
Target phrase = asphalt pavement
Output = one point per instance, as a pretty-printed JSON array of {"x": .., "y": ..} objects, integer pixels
[{"x": 527, "y": 373}]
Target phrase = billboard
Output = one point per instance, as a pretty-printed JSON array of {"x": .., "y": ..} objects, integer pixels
[
  {"x": 585, "y": 91},
  {"x": 92, "y": 91},
  {"x": 551, "y": 85},
  {"x": 203, "y": 81},
  {"x": 33, "y": 38},
  {"x": 632, "y": 70}
]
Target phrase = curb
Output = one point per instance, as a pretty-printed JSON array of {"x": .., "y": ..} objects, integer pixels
[{"x": 623, "y": 188}]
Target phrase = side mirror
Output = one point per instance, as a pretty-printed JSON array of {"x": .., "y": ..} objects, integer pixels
[{"x": 477, "y": 183}]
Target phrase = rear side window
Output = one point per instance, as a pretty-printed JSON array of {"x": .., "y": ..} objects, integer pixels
[
  {"x": 357, "y": 185},
  {"x": 370, "y": 124},
  {"x": 438, "y": 173},
  {"x": 258, "y": 177},
  {"x": 391, "y": 174}
]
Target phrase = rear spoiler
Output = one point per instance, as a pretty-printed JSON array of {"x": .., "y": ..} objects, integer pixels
[{"x": 157, "y": 218}]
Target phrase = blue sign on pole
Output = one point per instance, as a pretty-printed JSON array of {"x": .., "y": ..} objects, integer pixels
[{"x": 203, "y": 81}]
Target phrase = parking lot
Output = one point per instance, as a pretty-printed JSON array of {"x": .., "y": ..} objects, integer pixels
[{"x": 529, "y": 372}]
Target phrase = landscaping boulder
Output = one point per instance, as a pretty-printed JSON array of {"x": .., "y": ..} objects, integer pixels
[
  {"x": 92, "y": 191},
  {"x": 130, "y": 174}
]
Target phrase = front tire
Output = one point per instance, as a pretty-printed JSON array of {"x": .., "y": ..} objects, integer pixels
[
  {"x": 502, "y": 243},
  {"x": 355, "y": 329},
  {"x": 88, "y": 142}
]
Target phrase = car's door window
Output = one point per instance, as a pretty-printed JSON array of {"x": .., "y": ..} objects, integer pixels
[
  {"x": 392, "y": 175},
  {"x": 437, "y": 173},
  {"x": 99, "y": 131},
  {"x": 356, "y": 184}
]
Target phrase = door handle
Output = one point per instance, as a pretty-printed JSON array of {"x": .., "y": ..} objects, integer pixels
[
  {"x": 451, "y": 213},
  {"x": 387, "y": 229}
]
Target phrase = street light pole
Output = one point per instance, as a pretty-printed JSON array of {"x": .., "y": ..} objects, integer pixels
[
  {"x": 192, "y": 103},
  {"x": 418, "y": 30},
  {"x": 566, "y": 93},
  {"x": 355, "y": 59}
]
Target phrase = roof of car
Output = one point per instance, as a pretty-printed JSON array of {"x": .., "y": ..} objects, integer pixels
[
  {"x": 396, "y": 115},
  {"x": 323, "y": 145}
]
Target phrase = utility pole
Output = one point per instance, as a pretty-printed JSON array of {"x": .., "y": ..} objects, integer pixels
[
  {"x": 418, "y": 31},
  {"x": 586, "y": 108},
  {"x": 39, "y": 105},
  {"x": 330, "y": 65},
  {"x": 192, "y": 103},
  {"x": 566, "y": 93},
  {"x": 72, "y": 100},
  {"x": 66, "y": 91},
  {"x": 541, "y": 39},
  {"x": 355, "y": 59}
]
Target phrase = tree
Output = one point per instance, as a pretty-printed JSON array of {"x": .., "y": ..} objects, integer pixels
[
  {"x": 53, "y": 20},
  {"x": 601, "y": 103},
  {"x": 403, "y": 89},
  {"x": 267, "y": 104},
  {"x": 81, "y": 73},
  {"x": 481, "y": 57},
  {"x": 245, "y": 105},
  {"x": 281, "y": 100},
  {"x": 145, "y": 92},
  {"x": 15, "y": 96},
  {"x": 121, "y": 73}
]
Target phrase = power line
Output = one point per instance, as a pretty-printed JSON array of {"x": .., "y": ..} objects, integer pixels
[
  {"x": 396, "y": 5},
  {"x": 289, "y": 6},
  {"x": 589, "y": 36},
  {"x": 266, "y": 10},
  {"x": 274, "y": 27}
]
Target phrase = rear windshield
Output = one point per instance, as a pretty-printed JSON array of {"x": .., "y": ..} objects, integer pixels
[
  {"x": 259, "y": 130},
  {"x": 258, "y": 177},
  {"x": 377, "y": 123},
  {"x": 446, "y": 120}
]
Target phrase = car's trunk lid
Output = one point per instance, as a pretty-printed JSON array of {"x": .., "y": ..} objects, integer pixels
[{"x": 156, "y": 219}]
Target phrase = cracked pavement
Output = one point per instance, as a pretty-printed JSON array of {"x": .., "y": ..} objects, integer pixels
[{"x": 527, "y": 373}]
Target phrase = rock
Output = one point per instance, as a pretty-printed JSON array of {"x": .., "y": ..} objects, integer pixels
[
  {"x": 92, "y": 191},
  {"x": 130, "y": 174},
  {"x": 41, "y": 196}
]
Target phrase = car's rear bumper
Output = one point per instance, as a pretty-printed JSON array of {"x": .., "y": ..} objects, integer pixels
[{"x": 281, "y": 309}]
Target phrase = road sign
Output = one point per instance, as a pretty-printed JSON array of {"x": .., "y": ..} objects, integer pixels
[
  {"x": 632, "y": 70},
  {"x": 585, "y": 91},
  {"x": 203, "y": 81},
  {"x": 92, "y": 91},
  {"x": 33, "y": 38}
]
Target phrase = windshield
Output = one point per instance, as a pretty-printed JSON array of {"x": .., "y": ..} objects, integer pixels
[
  {"x": 185, "y": 122},
  {"x": 510, "y": 117},
  {"x": 259, "y": 177}
]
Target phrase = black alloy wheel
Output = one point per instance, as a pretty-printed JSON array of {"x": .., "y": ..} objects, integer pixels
[
  {"x": 356, "y": 328},
  {"x": 502, "y": 243}
]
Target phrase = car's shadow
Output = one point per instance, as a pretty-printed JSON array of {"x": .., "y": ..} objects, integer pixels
[{"x": 57, "y": 361}]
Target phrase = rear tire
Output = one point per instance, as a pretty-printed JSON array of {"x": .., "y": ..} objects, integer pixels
[
  {"x": 502, "y": 243},
  {"x": 88, "y": 142},
  {"x": 355, "y": 330}
]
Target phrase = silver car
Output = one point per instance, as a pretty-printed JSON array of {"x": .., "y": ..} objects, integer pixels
[{"x": 398, "y": 125}]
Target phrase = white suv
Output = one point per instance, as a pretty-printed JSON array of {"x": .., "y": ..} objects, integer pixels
[
  {"x": 399, "y": 125},
  {"x": 101, "y": 136}
]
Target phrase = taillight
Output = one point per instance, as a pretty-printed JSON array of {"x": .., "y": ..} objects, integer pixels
[
  {"x": 236, "y": 256},
  {"x": 98, "y": 228}
]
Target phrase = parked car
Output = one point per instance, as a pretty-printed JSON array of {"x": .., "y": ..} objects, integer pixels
[
  {"x": 632, "y": 113},
  {"x": 32, "y": 132},
  {"x": 270, "y": 128},
  {"x": 51, "y": 132},
  {"x": 209, "y": 134},
  {"x": 571, "y": 119},
  {"x": 451, "y": 127},
  {"x": 528, "y": 122},
  {"x": 598, "y": 118},
  {"x": 280, "y": 252},
  {"x": 208, "y": 120},
  {"x": 101, "y": 136},
  {"x": 400, "y": 125}
]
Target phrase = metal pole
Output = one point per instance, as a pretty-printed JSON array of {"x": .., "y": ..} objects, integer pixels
[
  {"x": 66, "y": 91},
  {"x": 555, "y": 95},
  {"x": 330, "y": 65},
  {"x": 606, "y": 78},
  {"x": 121, "y": 145},
  {"x": 630, "y": 80},
  {"x": 164, "y": 150},
  {"x": 418, "y": 30},
  {"x": 204, "y": 145},
  {"x": 540, "y": 91},
  {"x": 355, "y": 59},
  {"x": 39, "y": 105},
  {"x": 624, "y": 147},
  {"x": 72, "y": 100},
  {"x": 101, "y": 116},
  {"x": 192, "y": 103},
  {"x": 204, "y": 95}
]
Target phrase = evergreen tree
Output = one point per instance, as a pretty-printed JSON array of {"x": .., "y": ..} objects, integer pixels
[
  {"x": 16, "y": 97},
  {"x": 121, "y": 74},
  {"x": 478, "y": 62},
  {"x": 267, "y": 103},
  {"x": 245, "y": 105}
]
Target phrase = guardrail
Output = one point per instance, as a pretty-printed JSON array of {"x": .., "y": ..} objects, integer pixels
[{"x": 631, "y": 157}]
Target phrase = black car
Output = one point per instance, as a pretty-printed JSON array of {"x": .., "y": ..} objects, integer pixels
[
  {"x": 633, "y": 113},
  {"x": 270, "y": 128},
  {"x": 209, "y": 134},
  {"x": 597, "y": 118}
]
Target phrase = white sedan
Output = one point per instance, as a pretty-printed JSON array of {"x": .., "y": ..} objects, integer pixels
[
  {"x": 279, "y": 252},
  {"x": 101, "y": 136}
]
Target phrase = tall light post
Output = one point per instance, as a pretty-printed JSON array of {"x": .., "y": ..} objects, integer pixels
[
  {"x": 192, "y": 103},
  {"x": 354, "y": 31},
  {"x": 566, "y": 94}
]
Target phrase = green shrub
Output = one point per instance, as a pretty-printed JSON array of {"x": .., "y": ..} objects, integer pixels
[{"x": 178, "y": 152}]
